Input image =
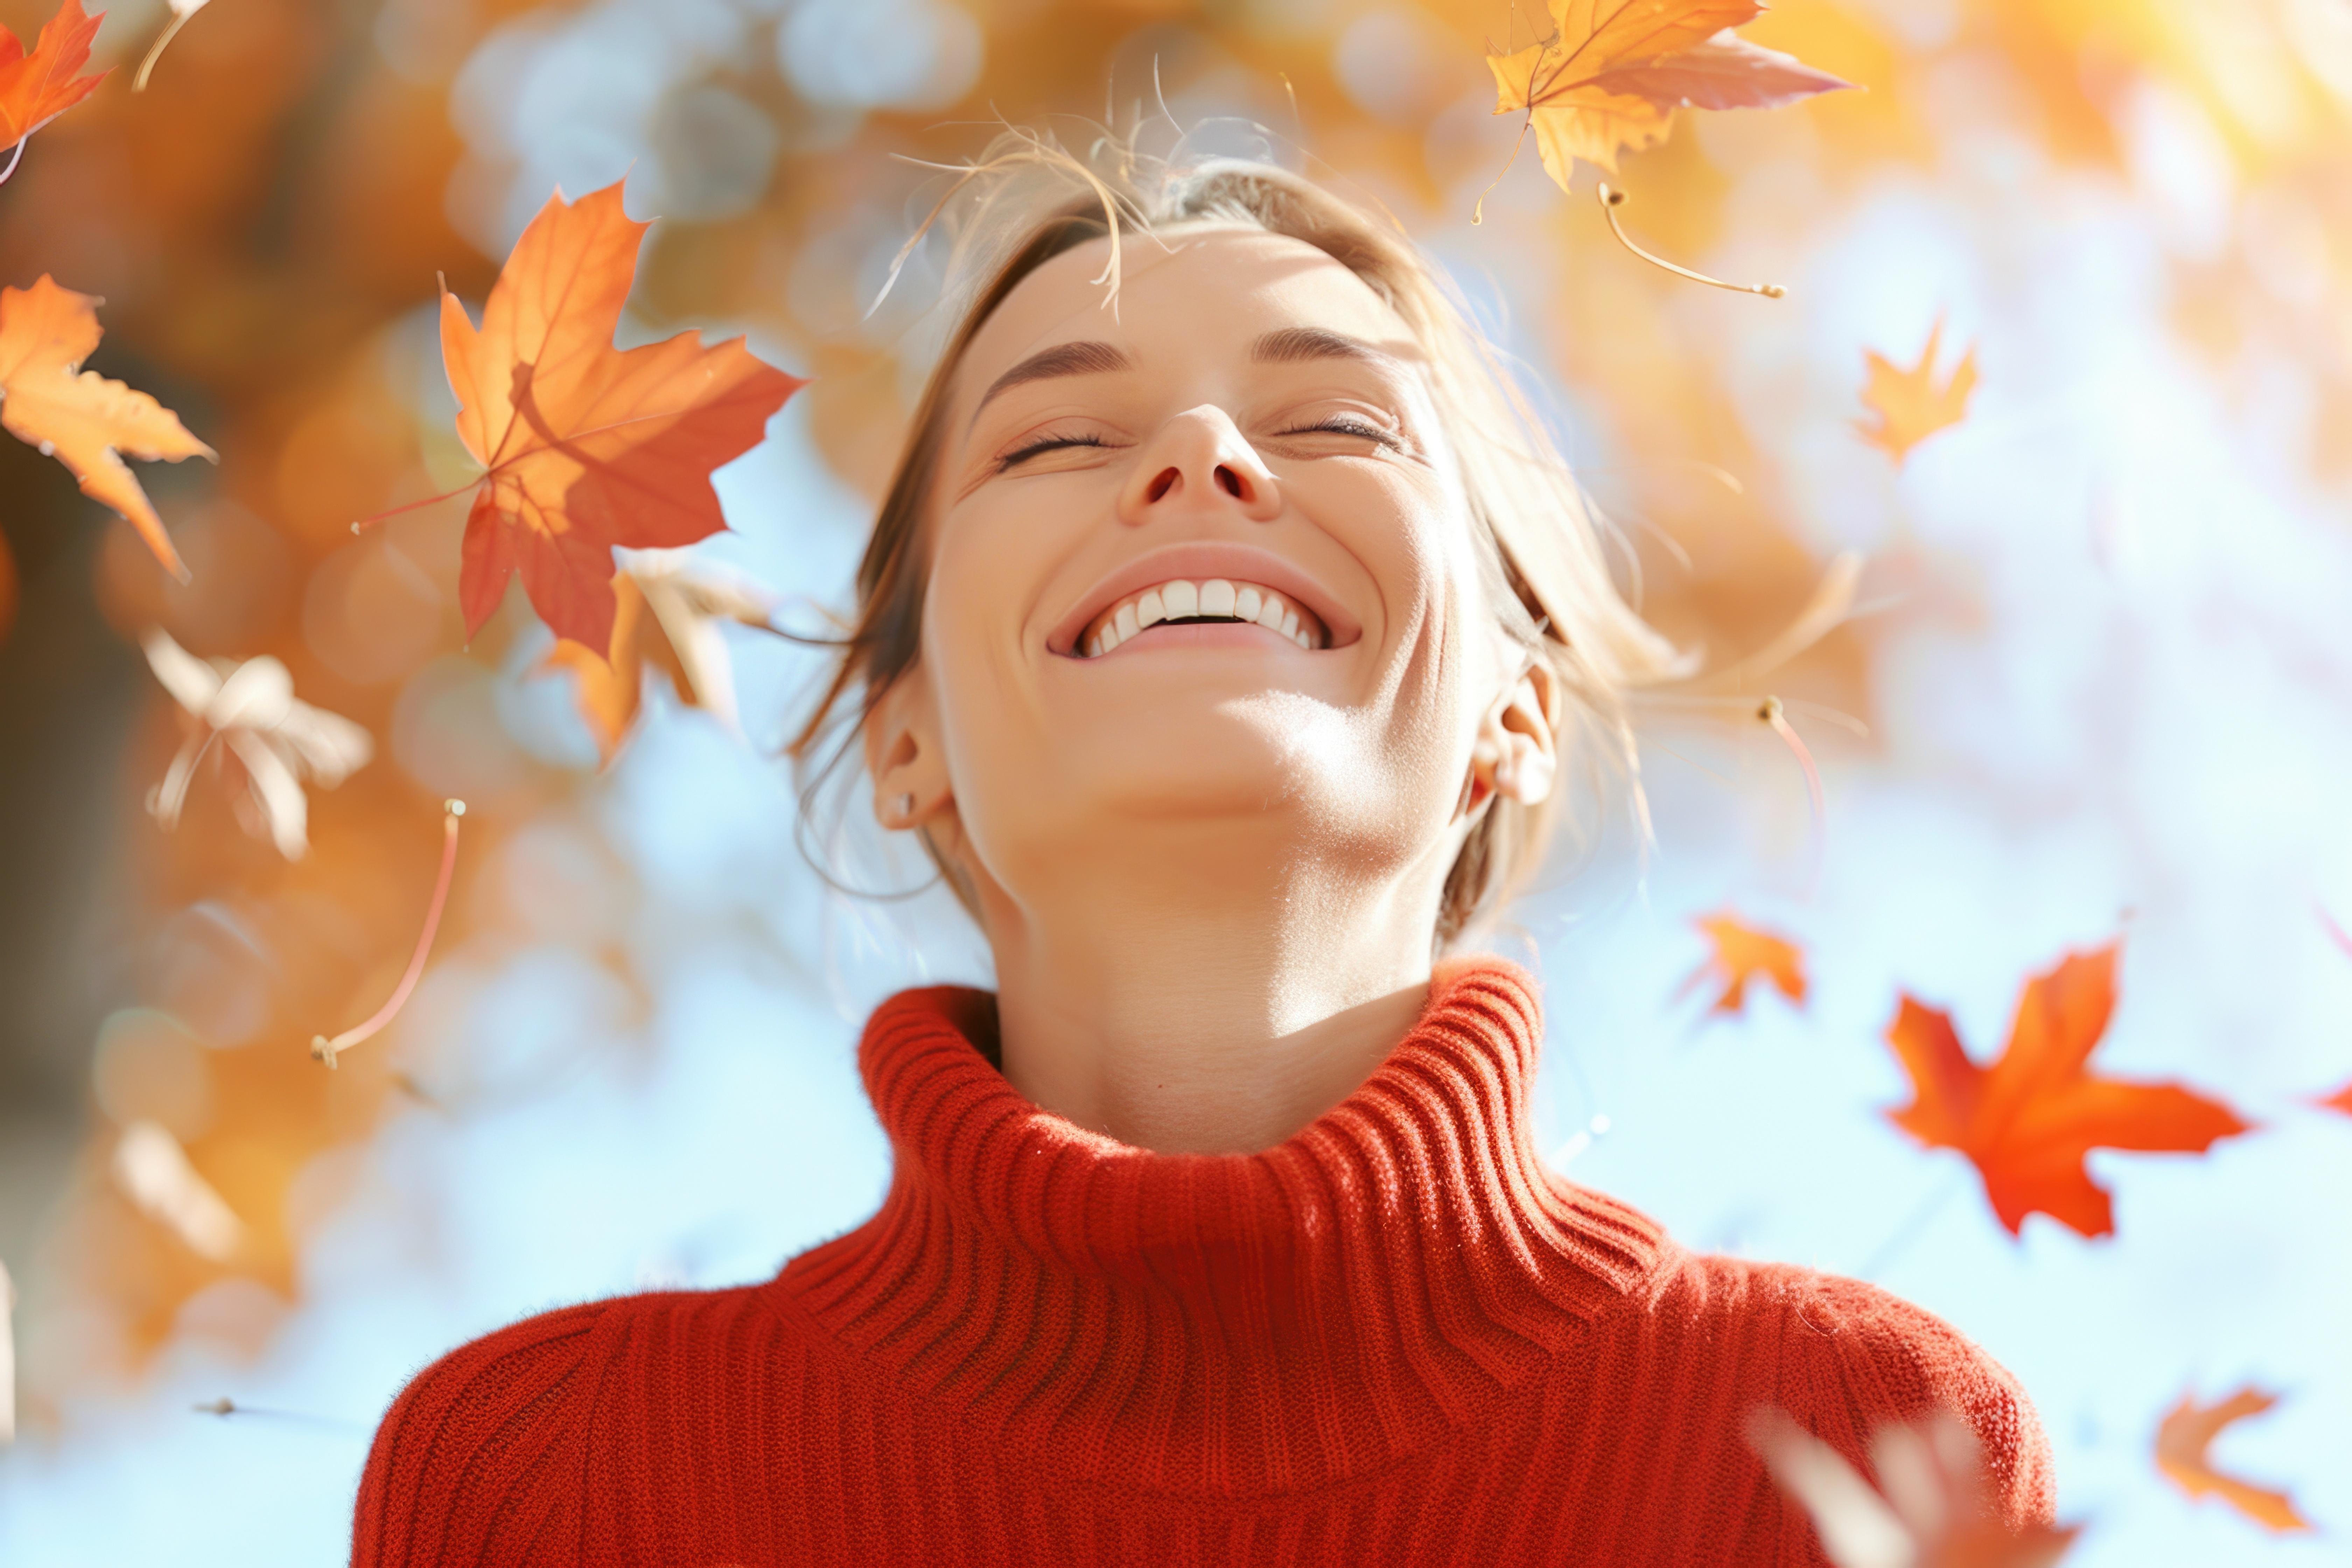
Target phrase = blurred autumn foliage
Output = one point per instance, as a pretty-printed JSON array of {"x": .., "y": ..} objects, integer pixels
[
  {"x": 260, "y": 223},
  {"x": 270, "y": 225}
]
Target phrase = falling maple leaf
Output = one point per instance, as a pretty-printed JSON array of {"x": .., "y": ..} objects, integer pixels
[
  {"x": 77, "y": 415},
  {"x": 278, "y": 740},
  {"x": 668, "y": 611},
  {"x": 1743, "y": 953},
  {"x": 2184, "y": 1435},
  {"x": 1928, "y": 1511},
  {"x": 37, "y": 87},
  {"x": 2027, "y": 1120},
  {"x": 1613, "y": 72},
  {"x": 587, "y": 446},
  {"x": 1909, "y": 403}
]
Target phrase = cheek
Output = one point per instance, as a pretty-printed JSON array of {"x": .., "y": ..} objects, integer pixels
[
  {"x": 1396, "y": 520},
  {"x": 984, "y": 560},
  {"x": 1411, "y": 531},
  {"x": 1415, "y": 722},
  {"x": 988, "y": 559}
]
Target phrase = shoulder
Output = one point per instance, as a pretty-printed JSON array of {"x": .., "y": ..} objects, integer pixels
[
  {"x": 1846, "y": 1358},
  {"x": 486, "y": 1455}
]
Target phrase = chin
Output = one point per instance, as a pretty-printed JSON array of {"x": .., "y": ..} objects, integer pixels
[
  {"x": 1249, "y": 757},
  {"x": 1270, "y": 773}
]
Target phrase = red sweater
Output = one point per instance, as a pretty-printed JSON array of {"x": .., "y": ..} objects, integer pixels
[{"x": 1398, "y": 1338}]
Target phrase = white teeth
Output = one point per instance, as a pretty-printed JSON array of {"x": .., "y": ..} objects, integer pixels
[{"x": 1215, "y": 599}]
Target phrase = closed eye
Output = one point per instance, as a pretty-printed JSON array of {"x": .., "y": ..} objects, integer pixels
[
  {"x": 1046, "y": 444},
  {"x": 1346, "y": 424}
]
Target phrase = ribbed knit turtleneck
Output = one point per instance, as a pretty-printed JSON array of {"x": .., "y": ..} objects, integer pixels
[
  {"x": 1396, "y": 1338},
  {"x": 1232, "y": 1324}
]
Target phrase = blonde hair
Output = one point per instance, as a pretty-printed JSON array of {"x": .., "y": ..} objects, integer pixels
[{"x": 1028, "y": 200}]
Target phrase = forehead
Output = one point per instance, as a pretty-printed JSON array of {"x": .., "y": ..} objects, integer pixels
[{"x": 1190, "y": 290}]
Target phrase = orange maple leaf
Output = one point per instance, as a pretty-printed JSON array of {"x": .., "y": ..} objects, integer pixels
[
  {"x": 37, "y": 87},
  {"x": 1930, "y": 1510},
  {"x": 587, "y": 446},
  {"x": 666, "y": 619},
  {"x": 1613, "y": 72},
  {"x": 2027, "y": 1120},
  {"x": 1909, "y": 403},
  {"x": 1743, "y": 953},
  {"x": 77, "y": 415},
  {"x": 2181, "y": 1439}
]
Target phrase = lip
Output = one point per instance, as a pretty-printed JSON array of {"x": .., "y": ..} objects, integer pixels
[{"x": 1195, "y": 560}]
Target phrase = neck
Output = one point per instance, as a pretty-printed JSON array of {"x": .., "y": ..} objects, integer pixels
[{"x": 1194, "y": 1012}]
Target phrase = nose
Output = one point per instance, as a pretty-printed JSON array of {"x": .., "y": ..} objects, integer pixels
[{"x": 1198, "y": 464}]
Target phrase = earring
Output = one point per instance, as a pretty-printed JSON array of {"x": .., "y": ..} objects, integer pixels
[{"x": 905, "y": 806}]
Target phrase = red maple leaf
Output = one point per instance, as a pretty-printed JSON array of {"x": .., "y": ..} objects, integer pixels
[
  {"x": 2027, "y": 1120},
  {"x": 37, "y": 87},
  {"x": 587, "y": 446}
]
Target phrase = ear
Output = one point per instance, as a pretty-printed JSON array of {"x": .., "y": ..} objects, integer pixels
[
  {"x": 1517, "y": 754},
  {"x": 904, "y": 755}
]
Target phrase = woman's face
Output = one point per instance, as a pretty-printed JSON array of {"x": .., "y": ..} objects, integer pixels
[{"x": 1199, "y": 561}]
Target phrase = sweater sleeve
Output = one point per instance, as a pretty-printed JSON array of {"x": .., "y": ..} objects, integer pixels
[
  {"x": 479, "y": 1460},
  {"x": 1856, "y": 1358}
]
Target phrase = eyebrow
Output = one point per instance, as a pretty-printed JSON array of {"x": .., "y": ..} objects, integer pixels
[
  {"x": 1292, "y": 344},
  {"x": 1062, "y": 359}
]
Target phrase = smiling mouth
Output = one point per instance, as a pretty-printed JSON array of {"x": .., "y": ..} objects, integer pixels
[{"x": 1216, "y": 601}]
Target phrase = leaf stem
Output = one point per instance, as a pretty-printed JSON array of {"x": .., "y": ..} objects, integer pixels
[
  {"x": 226, "y": 1407},
  {"x": 325, "y": 1050},
  {"x": 178, "y": 20},
  {"x": 412, "y": 506},
  {"x": 1612, "y": 199},
  {"x": 1478, "y": 212},
  {"x": 1771, "y": 713},
  {"x": 14, "y": 158}
]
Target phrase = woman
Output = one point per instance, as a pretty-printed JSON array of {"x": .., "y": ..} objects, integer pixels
[{"x": 1222, "y": 638}]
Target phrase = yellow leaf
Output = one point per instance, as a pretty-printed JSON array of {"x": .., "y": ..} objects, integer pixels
[
  {"x": 1910, "y": 405},
  {"x": 2187, "y": 1431},
  {"x": 79, "y": 417},
  {"x": 1612, "y": 73}
]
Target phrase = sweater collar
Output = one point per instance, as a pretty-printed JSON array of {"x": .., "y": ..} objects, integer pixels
[{"x": 1226, "y": 1323}]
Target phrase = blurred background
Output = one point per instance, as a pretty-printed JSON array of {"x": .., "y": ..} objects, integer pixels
[{"x": 2097, "y": 686}]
